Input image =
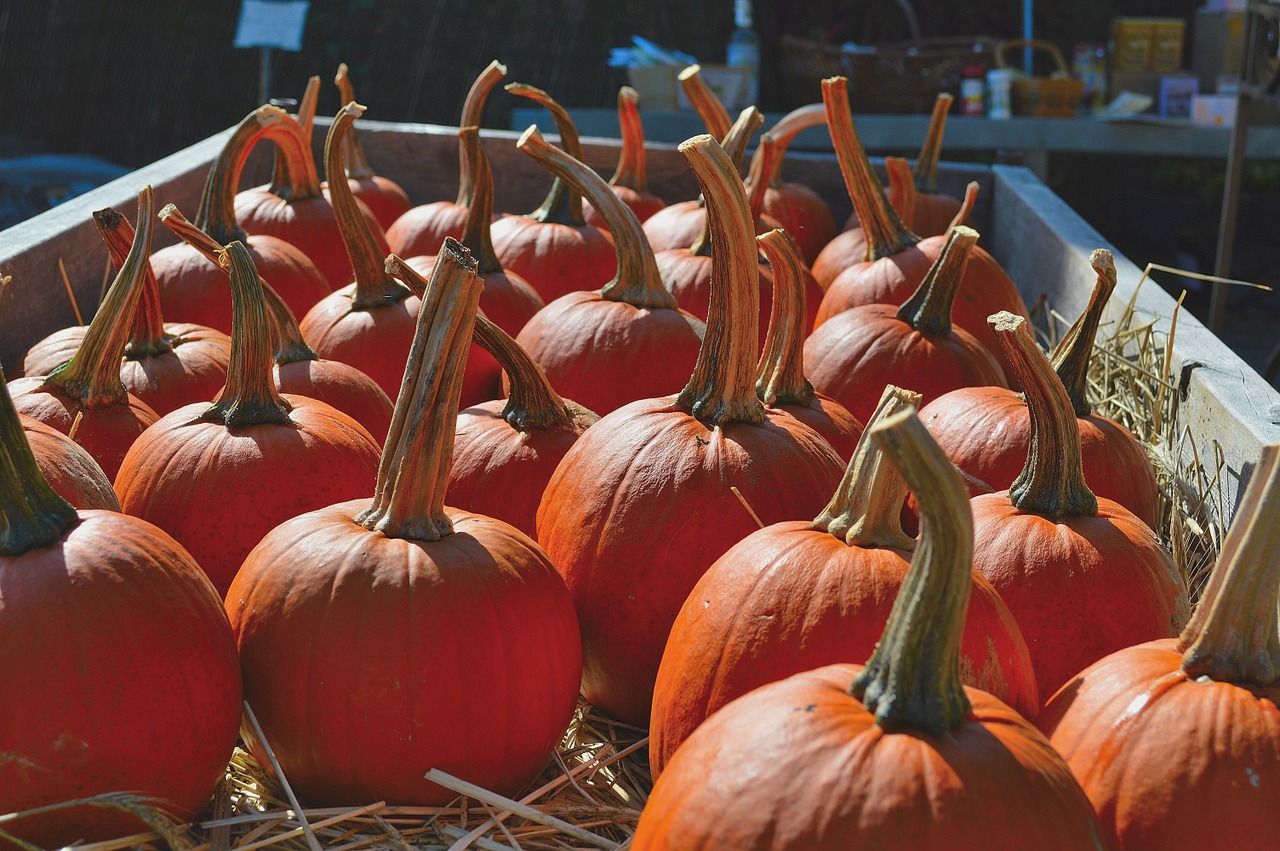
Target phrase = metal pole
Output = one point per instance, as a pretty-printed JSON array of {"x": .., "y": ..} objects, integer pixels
[
  {"x": 1028, "y": 32},
  {"x": 264, "y": 81}
]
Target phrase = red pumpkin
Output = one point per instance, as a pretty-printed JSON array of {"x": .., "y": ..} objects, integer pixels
[
  {"x": 70, "y": 471},
  {"x": 421, "y": 230},
  {"x": 194, "y": 290},
  {"x": 780, "y": 381},
  {"x": 1084, "y": 576},
  {"x": 85, "y": 395},
  {"x": 852, "y": 357},
  {"x": 986, "y": 430},
  {"x": 218, "y": 476},
  {"x": 383, "y": 196},
  {"x": 299, "y": 371},
  {"x": 629, "y": 181},
  {"x": 798, "y": 595},
  {"x": 627, "y": 340},
  {"x": 117, "y": 667},
  {"x": 447, "y": 590},
  {"x": 641, "y": 505},
  {"x": 1177, "y": 742},
  {"x": 553, "y": 248},
  {"x": 904, "y": 758}
]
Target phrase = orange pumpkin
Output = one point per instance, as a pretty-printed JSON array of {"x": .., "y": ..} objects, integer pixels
[
  {"x": 796, "y": 206},
  {"x": 630, "y": 181},
  {"x": 383, "y": 196}
]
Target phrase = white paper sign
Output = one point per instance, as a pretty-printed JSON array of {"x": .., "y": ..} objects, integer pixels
[{"x": 272, "y": 23}]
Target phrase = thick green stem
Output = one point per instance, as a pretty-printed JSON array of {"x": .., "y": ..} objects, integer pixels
[
  {"x": 1051, "y": 483},
  {"x": 148, "y": 338},
  {"x": 780, "y": 374},
  {"x": 92, "y": 376},
  {"x": 374, "y": 287},
  {"x": 912, "y": 679},
  {"x": 866, "y": 510},
  {"x": 475, "y": 234},
  {"x": 408, "y": 500},
  {"x": 1234, "y": 635},
  {"x": 885, "y": 232},
  {"x": 926, "y": 170},
  {"x": 249, "y": 397},
  {"x": 928, "y": 310},
  {"x": 472, "y": 113},
  {"x": 357, "y": 164},
  {"x": 704, "y": 101},
  {"x": 631, "y": 172},
  {"x": 281, "y": 182},
  {"x": 788, "y": 127},
  {"x": 637, "y": 281},
  {"x": 532, "y": 403},
  {"x": 563, "y": 204},
  {"x": 1075, "y": 350},
  {"x": 722, "y": 388},
  {"x": 32, "y": 515}
]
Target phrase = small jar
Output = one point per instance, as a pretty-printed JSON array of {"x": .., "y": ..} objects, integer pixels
[
  {"x": 973, "y": 91},
  {"x": 1000, "y": 84}
]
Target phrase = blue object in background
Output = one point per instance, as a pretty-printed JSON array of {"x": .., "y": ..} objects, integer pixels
[{"x": 32, "y": 184}]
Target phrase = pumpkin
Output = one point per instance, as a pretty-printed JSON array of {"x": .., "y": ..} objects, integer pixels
[
  {"x": 852, "y": 242},
  {"x": 474, "y": 664},
  {"x": 853, "y": 356},
  {"x": 1084, "y": 576},
  {"x": 70, "y": 471},
  {"x": 934, "y": 211},
  {"x": 630, "y": 181},
  {"x": 641, "y": 505},
  {"x": 218, "y": 476},
  {"x": 625, "y": 341},
  {"x": 166, "y": 365},
  {"x": 383, "y": 196},
  {"x": 1177, "y": 741},
  {"x": 194, "y": 290},
  {"x": 796, "y": 206},
  {"x": 553, "y": 248},
  {"x": 780, "y": 380},
  {"x": 896, "y": 754},
  {"x": 298, "y": 369},
  {"x": 86, "y": 394},
  {"x": 986, "y": 430},
  {"x": 299, "y": 212},
  {"x": 117, "y": 667},
  {"x": 897, "y": 259},
  {"x": 421, "y": 230},
  {"x": 797, "y": 595},
  {"x": 505, "y": 451}
]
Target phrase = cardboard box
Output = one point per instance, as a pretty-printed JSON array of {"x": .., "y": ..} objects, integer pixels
[
  {"x": 1167, "y": 36},
  {"x": 656, "y": 85},
  {"x": 1217, "y": 46},
  {"x": 1214, "y": 110},
  {"x": 1176, "y": 92},
  {"x": 1147, "y": 44}
]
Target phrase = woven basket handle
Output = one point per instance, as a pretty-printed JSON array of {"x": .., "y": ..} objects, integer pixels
[{"x": 1036, "y": 44}]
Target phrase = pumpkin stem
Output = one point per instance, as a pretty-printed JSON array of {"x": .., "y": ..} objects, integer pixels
[
  {"x": 148, "y": 338},
  {"x": 788, "y": 127},
  {"x": 532, "y": 403},
  {"x": 249, "y": 397},
  {"x": 413, "y": 475},
  {"x": 762, "y": 164},
  {"x": 1071, "y": 358},
  {"x": 306, "y": 119},
  {"x": 637, "y": 281},
  {"x": 966, "y": 205},
  {"x": 1051, "y": 483},
  {"x": 866, "y": 510},
  {"x": 704, "y": 101},
  {"x": 92, "y": 376},
  {"x": 216, "y": 215},
  {"x": 297, "y": 173},
  {"x": 475, "y": 233},
  {"x": 32, "y": 515},
  {"x": 780, "y": 374},
  {"x": 902, "y": 191},
  {"x": 735, "y": 145},
  {"x": 290, "y": 347},
  {"x": 912, "y": 679},
  {"x": 928, "y": 310},
  {"x": 886, "y": 234},
  {"x": 926, "y": 170},
  {"x": 631, "y": 172},
  {"x": 563, "y": 204},
  {"x": 472, "y": 113},
  {"x": 357, "y": 164},
  {"x": 722, "y": 388},
  {"x": 374, "y": 287},
  {"x": 1234, "y": 636}
]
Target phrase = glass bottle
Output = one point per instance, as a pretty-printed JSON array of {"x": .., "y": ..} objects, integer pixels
[{"x": 744, "y": 50}]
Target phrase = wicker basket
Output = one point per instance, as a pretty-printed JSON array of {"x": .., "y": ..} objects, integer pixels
[
  {"x": 1055, "y": 96},
  {"x": 904, "y": 76}
]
